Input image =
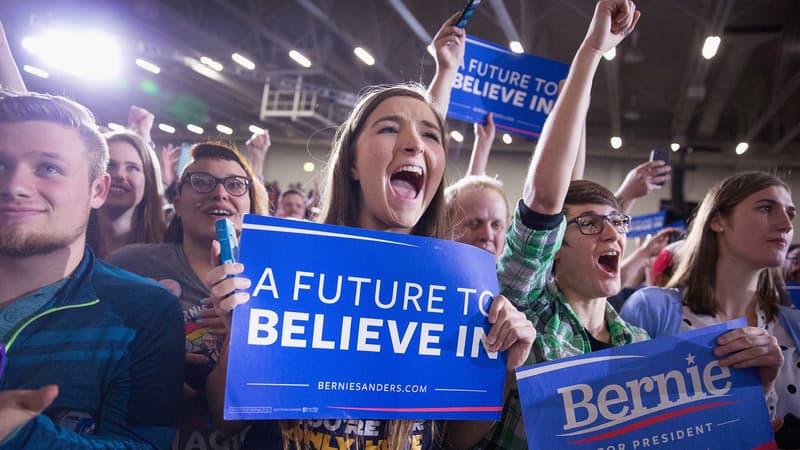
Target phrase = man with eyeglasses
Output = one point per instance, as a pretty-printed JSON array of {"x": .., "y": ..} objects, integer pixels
[
  {"x": 217, "y": 183},
  {"x": 564, "y": 246},
  {"x": 90, "y": 355}
]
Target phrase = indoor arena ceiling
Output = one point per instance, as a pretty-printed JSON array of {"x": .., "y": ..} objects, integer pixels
[{"x": 656, "y": 91}]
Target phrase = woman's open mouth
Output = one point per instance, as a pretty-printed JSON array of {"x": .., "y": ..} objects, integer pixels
[{"x": 407, "y": 181}]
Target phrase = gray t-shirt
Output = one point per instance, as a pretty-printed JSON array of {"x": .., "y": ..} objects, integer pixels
[{"x": 167, "y": 264}]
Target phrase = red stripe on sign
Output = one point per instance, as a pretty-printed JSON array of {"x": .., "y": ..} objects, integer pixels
[
  {"x": 771, "y": 445},
  {"x": 650, "y": 421},
  {"x": 518, "y": 130},
  {"x": 453, "y": 409}
]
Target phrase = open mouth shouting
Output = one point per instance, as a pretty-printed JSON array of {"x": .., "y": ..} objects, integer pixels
[
  {"x": 609, "y": 261},
  {"x": 407, "y": 181}
]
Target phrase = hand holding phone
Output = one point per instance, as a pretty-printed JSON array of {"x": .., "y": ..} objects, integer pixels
[
  {"x": 229, "y": 244},
  {"x": 660, "y": 154},
  {"x": 466, "y": 13}
]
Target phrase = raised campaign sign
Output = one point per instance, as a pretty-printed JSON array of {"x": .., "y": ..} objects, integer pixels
[
  {"x": 667, "y": 393},
  {"x": 520, "y": 89},
  {"x": 351, "y": 323}
]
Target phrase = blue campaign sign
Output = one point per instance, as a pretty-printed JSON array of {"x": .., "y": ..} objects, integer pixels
[
  {"x": 520, "y": 89},
  {"x": 647, "y": 224},
  {"x": 669, "y": 393},
  {"x": 350, "y": 323},
  {"x": 794, "y": 293}
]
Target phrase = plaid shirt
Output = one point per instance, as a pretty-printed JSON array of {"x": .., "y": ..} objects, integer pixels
[{"x": 523, "y": 271}]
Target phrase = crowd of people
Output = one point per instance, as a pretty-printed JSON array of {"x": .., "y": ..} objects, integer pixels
[{"x": 117, "y": 311}]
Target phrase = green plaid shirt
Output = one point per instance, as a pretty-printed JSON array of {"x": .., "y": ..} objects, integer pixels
[{"x": 524, "y": 273}]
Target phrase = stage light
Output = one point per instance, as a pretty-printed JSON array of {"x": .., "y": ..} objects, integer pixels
[
  {"x": 516, "y": 47},
  {"x": 255, "y": 129},
  {"x": 36, "y": 71},
  {"x": 216, "y": 65},
  {"x": 742, "y": 147},
  {"x": 611, "y": 54},
  {"x": 507, "y": 138},
  {"x": 166, "y": 128},
  {"x": 90, "y": 55},
  {"x": 364, "y": 56},
  {"x": 710, "y": 46},
  {"x": 242, "y": 61},
  {"x": 224, "y": 129},
  {"x": 308, "y": 166},
  {"x": 675, "y": 146},
  {"x": 148, "y": 66},
  {"x": 299, "y": 58},
  {"x": 458, "y": 137},
  {"x": 616, "y": 142},
  {"x": 194, "y": 129}
]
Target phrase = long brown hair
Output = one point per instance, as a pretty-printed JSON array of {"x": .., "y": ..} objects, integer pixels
[
  {"x": 341, "y": 205},
  {"x": 341, "y": 202},
  {"x": 697, "y": 268},
  {"x": 147, "y": 223},
  {"x": 227, "y": 152}
]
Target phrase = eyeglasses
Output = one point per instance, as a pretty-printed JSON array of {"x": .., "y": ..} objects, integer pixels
[
  {"x": 203, "y": 183},
  {"x": 592, "y": 224}
]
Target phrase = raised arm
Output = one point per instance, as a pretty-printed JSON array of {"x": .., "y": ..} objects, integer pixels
[
  {"x": 449, "y": 44},
  {"x": 484, "y": 138},
  {"x": 10, "y": 77},
  {"x": 640, "y": 181},
  {"x": 559, "y": 145}
]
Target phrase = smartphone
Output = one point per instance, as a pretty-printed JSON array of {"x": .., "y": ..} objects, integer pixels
[
  {"x": 466, "y": 13},
  {"x": 660, "y": 154},
  {"x": 226, "y": 235}
]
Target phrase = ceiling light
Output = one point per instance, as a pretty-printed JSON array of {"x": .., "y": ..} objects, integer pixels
[
  {"x": 242, "y": 61},
  {"x": 166, "y": 128},
  {"x": 203, "y": 69},
  {"x": 308, "y": 166},
  {"x": 458, "y": 137},
  {"x": 224, "y": 129},
  {"x": 148, "y": 66},
  {"x": 299, "y": 58},
  {"x": 616, "y": 142},
  {"x": 431, "y": 50},
  {"x": 742, "y": 147},
  {"x": 36, "y": 71},
  {"x": 516, "y": 47},
  {"x": 364, "y": 55},
  {"x": 216, "y": 65},
  {"x": 507, "y": 138},
  {"x": 611, "y": 54},
  {"x": 255, "y": 130},
  {"x": 194, "y": 129},
  {"x": 675, "y": 146},
  {"x": 90, "y": 55},
  {"x": 113, "y": 126},
  {"x": 710, "y": 46}
]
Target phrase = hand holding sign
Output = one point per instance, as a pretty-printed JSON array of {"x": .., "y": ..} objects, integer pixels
[
  {"x": 751, "y": 347},
  {"x": 510, "y": 331}
]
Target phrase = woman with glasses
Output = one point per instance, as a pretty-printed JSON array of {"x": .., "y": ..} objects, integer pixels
[
  {"x": 564, "y": 247},
  {"x": 730, "y": 267},
  {"x": 217, "y": 183}
]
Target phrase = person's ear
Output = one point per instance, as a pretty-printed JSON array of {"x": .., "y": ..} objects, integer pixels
[
  {"x": 99, "y": 190},
  {"x": 354, "y": 173},
  {"x": 716, "y": 224}
]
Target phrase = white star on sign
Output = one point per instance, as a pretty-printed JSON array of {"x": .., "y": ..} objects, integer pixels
[{"x": 690, "y": 359}]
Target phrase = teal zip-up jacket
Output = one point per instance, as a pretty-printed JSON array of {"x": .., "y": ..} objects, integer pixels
[{"x": 113, "y": 343}]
